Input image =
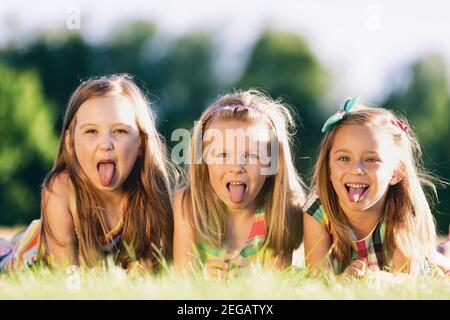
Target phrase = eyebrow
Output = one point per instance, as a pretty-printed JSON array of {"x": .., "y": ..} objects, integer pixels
[
  {"x": 114, "y": 125},
  {"x": 342, "y": 150},
  {"x": 348, "y": 151}
]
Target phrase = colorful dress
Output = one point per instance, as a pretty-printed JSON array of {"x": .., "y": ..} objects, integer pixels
[
  {"x": 253, "y": 250},
  {"x": 372, "y": 249},
  {"x": 30, "y": 247}
]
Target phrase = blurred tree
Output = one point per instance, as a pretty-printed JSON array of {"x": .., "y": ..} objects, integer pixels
[
  {"x": 27, "y": 146},
  {"x": 425, "y": 101},
  {"x": 60, "y": 59},
  {"x": 190, "y": 84},
  {"x": 178, "y": 72},
  {"x": 282, "y": 65}
]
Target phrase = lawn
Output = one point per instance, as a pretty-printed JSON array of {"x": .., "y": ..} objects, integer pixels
[
  {"x": 114, "y": 283},
  {"x": 254, "y": 283}
]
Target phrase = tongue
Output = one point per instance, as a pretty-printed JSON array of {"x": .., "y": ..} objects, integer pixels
[
  {"x": 237, "y": 193},
  {"x": 354, "y": 195},
  {"x": 106, "y": 172}
]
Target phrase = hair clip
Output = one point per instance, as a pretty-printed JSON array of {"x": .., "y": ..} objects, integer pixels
[
  {"x": 400, "y": 124},
  {"x": 344, "y": 108}
]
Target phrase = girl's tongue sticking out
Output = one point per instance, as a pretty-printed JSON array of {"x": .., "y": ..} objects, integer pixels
[
  {"x": 237, "y": 191},
  {"x": 356, "y": 192},
  {"x": 106, "y": 172}
]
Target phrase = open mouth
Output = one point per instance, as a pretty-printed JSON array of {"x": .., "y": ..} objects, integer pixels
[
  {"x": 106, "y": 170},
  {"x": 356, "y": 191},
  {"x": 237, "y": 190}
]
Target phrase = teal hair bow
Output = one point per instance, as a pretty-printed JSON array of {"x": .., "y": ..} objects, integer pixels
[{"x": 345, "y": 108}]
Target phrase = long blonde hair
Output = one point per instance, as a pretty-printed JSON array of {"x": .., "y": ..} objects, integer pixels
[
  {"x": 282, "y": 195},
  {"x": 410, "y": 225},
  {"x": 148, "y": 226}
]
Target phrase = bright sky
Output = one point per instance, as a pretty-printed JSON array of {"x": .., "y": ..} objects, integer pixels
[{"x": 362, "y": 43}]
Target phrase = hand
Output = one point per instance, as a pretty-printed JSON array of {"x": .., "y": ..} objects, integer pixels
[
  {"x": 217, "y": 269},
  {"x": 357, "y": 269},
  {"x": 220, "y": 268}
]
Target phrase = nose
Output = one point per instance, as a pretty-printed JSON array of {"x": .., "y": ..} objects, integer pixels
[
  {"x": 237, "y": 168},
  {"x": 105, "y": 143},
  {"x": 358, "y": 168}
]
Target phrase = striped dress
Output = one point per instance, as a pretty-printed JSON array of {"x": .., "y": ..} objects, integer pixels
[
  {"x": 253, "y": 250},
  {"x": 29, "y": 248},
  {"x": 372, "y": 249}
]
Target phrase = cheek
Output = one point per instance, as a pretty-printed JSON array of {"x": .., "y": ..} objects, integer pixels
[
  {"x": 383, "y": 170},
  {"x": 129, "y": 148},
  {"x": 384, "y": 176},
  {"x": 83, "y": 150},
  {"x": 256, "y": 178},
  {"x": 334, "y": 168},
  {"x": 260, "y": 183},
  {"x": 214, "y": 172},
  {"x": 335, "y": 172}
]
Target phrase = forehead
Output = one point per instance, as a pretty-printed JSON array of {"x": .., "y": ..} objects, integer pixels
[
  {"x": 231, "y": 132},
  {"x": 108, "y": 110},
  {"x": 361, "y": 138}
]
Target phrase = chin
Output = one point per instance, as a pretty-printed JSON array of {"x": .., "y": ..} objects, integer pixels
[
  {"x": 233, "y": 205},
  {"x": 113, "y": 186}
]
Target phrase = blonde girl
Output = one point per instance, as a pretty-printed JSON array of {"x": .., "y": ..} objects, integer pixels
[
  {"x": 108, "y": 192},
  {"x": 242, "y": 198},
  {"x": 369, "y": 209}
]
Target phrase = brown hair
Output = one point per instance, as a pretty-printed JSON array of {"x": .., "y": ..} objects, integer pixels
[{"x": 148, "y": 226}]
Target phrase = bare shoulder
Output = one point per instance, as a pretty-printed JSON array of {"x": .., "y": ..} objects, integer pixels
[
  {"x": 59, "y": 186},
  {"x": 59, "y": 224},
  {"x": 55, "y": 199},
  {"x": 179, "y": 201}
]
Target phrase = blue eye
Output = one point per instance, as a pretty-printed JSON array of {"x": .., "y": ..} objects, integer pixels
[
  {"x": 343, "y": 158},
  {"x": 371, "y": 160}
]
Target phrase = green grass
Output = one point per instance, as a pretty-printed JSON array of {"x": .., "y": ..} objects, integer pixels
[{"x": 252, "y": 284}]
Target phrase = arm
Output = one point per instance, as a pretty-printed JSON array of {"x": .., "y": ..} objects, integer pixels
[
  {"x": 183, "y": 234},
  {"x": 317, "y": 242},
  {"x": 60, "y": 240},
  {"x": 400, "y": 263},
  {"x": 184, "y": 239}
]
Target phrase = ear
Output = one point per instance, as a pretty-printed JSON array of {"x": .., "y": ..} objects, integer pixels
[{"x": 397, "y": 176}]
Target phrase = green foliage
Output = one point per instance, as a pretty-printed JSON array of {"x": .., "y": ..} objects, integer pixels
[
  {"x": 282, "y": 65},
  {"x": 27, "y": 146},
  {"x": 426, "y": 104},
  {"x": 60, "y": 61}
]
